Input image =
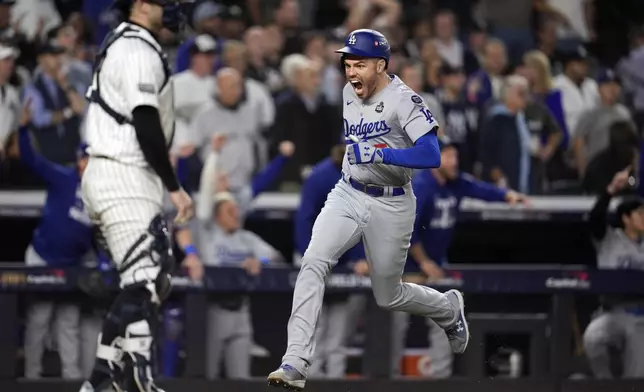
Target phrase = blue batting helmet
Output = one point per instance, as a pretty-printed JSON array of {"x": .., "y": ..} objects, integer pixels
[{"x": 366, "y": 43}]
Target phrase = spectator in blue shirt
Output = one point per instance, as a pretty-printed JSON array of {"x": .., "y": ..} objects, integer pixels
[
  {"x": 56, "y": 107},
  {"x": 339, "y": 310},
  {"x": 439, "y": 193},
  {"x": 63, "y": 238}
]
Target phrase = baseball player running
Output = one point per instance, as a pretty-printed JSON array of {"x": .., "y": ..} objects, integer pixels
[
  {"x": 130, "y": 125},
  {"x": 391, "y": 132}
]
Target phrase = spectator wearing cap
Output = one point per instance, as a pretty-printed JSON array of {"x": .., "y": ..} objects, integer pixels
[
  {"x": 439, "y": 193},
  {"x": 461, "y": 117},
  {"x": 56, "y": 106},
  {"x": 631, "y": 69},
  {"x": 578, "y": 92},
  {"x": 194, "y": 87},
  {"x": 234, "y": 21},
  {"x": 11, "y": 35},
  {"x": 486, "y": 83},
  {"x": 9, "y": 96},
  {"x": 79, "y": 72},
  {"x": 206, "y": 19},
  {"x": 305, "y": 118},
  {"x": 224, "y": 243},
  {"x": 505, "y": 140},
  {"x": 592, "y": 135},
  {"x": 616, "y": 332}
]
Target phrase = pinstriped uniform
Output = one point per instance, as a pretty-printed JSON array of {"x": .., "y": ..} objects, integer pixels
[{"x": 120, "y": 190}]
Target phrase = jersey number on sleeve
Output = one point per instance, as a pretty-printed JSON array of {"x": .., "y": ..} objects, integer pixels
[{"x": 428, "y": 115}]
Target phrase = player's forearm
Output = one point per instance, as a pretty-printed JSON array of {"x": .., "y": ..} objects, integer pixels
[
  {"x": 268, "y": 175},
  {"x": 419, "y": 255},
  {"x": 149, "y": 133},
  {"x": 425, "y": 154},
  {"x": 207, "y": 187},
  {"x": 27, "y": 154}
]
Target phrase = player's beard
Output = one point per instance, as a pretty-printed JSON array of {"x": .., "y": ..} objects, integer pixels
[{"x": 369, "y": 87}]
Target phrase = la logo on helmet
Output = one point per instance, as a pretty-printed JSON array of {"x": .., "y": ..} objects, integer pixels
[{"x": 352, "y": 40}]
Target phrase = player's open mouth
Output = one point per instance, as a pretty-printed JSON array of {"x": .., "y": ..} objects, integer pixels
[{"x": 357, "y": 86}]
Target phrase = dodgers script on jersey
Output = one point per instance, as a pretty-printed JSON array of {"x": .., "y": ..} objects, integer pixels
[
  {"x": 132, "y": 73},
  {"x": 395, "y": 117}
]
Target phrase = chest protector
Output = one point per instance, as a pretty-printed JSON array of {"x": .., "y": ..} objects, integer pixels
[{"x": 166, "y": 93}]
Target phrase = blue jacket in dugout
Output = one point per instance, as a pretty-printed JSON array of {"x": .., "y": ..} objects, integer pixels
[
  {"x": 438, "y": 205},
  {"x": 64, "y": 235}
]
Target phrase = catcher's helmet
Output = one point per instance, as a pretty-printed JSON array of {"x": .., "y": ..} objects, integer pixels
[
  {"x": 366, "y": 43},
  {"x": 173, "y": 10}
]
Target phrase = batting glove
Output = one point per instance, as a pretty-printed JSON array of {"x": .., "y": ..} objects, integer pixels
[{"x": 363, "y": 153}]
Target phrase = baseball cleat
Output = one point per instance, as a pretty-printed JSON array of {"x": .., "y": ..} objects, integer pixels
[
  {"x": 287, "y": 377},
  {"x": 459, "y": 333}
]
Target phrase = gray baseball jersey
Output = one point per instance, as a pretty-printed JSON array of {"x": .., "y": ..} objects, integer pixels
[
  {"x": 395, "y": 117},
  {"x": 219, "y": 248}
]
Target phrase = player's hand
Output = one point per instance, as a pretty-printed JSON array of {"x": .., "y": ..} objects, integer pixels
[
  {"x": 252, "y": 265},
  {"x": 621, "y": 180},
  {"x": 432, "y": 270},
  {"x": 183, "y": 203},
  {"x": 513, "y": 198},
  {"x": 218, "y": 141},
  {"x": 287, "y": 148},
  {"x": 363, "y": 153},
  {"x": 361, "y": 267},
  {"x": 194, "y": 266}
]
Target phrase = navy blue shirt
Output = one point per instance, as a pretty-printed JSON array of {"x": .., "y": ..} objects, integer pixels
[
  {"x": 64, "y": 234},
  {"x": 437, "y": 209},
  {"x": 315, "y": 189},
  {"x": 461, "y": 124}
]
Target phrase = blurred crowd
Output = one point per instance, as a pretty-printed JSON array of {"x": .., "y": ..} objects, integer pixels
[
  {"x": 515, "y": 84},
  {"x": 527, "y": 94}
]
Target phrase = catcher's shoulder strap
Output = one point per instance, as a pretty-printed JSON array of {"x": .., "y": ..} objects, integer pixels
[{"x": 124, "y": 31}]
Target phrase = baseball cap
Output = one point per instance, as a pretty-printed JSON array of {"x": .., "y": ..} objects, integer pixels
[
  {"x": 629, "y": 205},
  {"x": 8, "y": 52},
  {"x": 206, "y": 10},
  {"x": 578, "y": 54},
  {"x": 447, "y": 70},
  {"x": 203, "y": 43},
  {"x": 234, "y": 12},
  {"x": 221, "y": 197},
  {"x": 51, "y": 48},
  {"x": 607, "y": 76}
]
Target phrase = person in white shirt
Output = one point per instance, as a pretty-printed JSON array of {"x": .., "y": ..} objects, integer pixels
[
  {"x": 194, "y": 87},
  {"x": 33, "y": 17},
  {"x": 578, "y": 92},
  {"x": 9, "y": 97},
  {"x": 449, "y": 47}
]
